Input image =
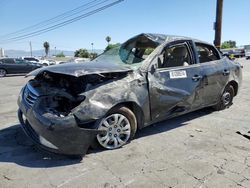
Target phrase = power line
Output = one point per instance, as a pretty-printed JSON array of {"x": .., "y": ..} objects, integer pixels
[
  {"x": 52, "y": 20},
  {"x": 69, "y": 21}
]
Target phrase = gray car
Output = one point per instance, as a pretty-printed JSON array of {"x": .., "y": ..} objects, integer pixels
[
  {"x": 149, "y": 78},
  {"x": 16, "y": 66}
]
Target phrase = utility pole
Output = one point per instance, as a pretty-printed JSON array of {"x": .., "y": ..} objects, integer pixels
[
  {"x": 55, "y": 50},
  {"x": 30, "y": 49},
  {"x": 92, "y": 44},
  {"x": 218, "y": 23}
]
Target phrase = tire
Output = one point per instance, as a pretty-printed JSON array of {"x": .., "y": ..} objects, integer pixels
[
  {"x": 226, "y": 99},
  {"x": 120, "y": 124},
  {"x": 2, "y": 73}
]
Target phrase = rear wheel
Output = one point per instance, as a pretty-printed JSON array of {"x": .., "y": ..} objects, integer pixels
[
  {"x": 226, "y": 99},
  {"x": 120, "y": 126},
  {"x": 2, "y": 73}
]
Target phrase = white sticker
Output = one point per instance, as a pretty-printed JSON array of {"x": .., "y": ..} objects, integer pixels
[{"x": 178, "y": 74}]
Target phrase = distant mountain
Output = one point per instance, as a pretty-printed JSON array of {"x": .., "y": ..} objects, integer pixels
[{"x": 39, "y": 53}]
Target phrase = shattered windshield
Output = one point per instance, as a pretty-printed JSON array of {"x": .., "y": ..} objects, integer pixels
[{"x": 131, "y": 53}]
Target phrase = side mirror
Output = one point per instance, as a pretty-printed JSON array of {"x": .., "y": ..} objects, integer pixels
[{"x": 152, "y": 69}]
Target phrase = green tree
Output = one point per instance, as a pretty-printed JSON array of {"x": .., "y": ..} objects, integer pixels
[
  {"x": 110, "y": 46},
  {"x": 46, "y": 48},
  {"x": 228, "y": 44},
  {"x": 82, "y": 53},
  {"x": 108, "y": 39},
  {"x": 61, "y": 54},
  {"x": 93, "y": 55}
]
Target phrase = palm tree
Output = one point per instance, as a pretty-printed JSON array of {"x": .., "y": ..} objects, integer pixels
[
  {"x": 108, "y": 39},
  {"x": 46, "y": 48}
]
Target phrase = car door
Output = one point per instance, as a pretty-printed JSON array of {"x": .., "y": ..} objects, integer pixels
[
  {"x": 174, "y": 81},
  {"x": 215, "y": 72},
  {"x": 23, "y": 66}
]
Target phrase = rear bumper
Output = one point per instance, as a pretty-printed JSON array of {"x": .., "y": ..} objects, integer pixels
[{"x": 54, "y": 134}]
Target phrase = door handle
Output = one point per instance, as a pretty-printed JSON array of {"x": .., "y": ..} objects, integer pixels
[
  {"x": 226, "y": 72},
  {"x": 196, "y": 78}
]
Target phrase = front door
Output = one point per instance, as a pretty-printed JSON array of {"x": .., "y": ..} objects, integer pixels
[
  {"x": 23, "y": 66},
  {"x": 175, "y": 85}
]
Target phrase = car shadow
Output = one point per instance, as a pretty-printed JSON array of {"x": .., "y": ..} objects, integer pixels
[
  {"x": 16, "y": 147},
  {"x": 173, "y": 123}
]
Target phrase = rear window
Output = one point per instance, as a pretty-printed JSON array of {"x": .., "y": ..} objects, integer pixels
[{"x": 207, "y": 53}]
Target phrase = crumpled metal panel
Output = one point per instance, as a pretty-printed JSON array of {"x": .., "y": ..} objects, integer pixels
[
  {"x": 169, "y": 96},
  {"x": 81, "y": 69},
  {"x": 99, "y": 101}
]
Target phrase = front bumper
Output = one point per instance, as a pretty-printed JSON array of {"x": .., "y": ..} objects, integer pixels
[{"x": 54, "y": 134}]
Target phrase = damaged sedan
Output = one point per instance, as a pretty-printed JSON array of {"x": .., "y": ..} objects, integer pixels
[{"x": 149, "y": 78}]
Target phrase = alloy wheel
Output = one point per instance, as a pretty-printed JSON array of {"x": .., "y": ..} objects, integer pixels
[{"x": 226, "y": 98}]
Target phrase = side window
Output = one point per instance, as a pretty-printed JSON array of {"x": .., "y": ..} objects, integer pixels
[
  {"x": 174, "y": 56},
  {"x": 8, "y": 61},
  {"x": 20, "y": 61},
  {"x": 2, "y": 61},
  {"x": 30, "y": 59},
  {"x": 207, "y": 53}
]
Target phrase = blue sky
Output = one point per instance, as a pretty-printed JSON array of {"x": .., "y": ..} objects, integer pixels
[{"x": 193, "y": 18}]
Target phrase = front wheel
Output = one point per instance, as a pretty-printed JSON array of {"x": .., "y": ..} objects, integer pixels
[
  {"x": 120, "y": 126},
  {"x": 226, "y": 99}
]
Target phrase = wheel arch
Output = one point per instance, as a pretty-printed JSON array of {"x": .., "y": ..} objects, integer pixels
[
  {"x": 235, "y": 86},
  {"x": 5, "y": 70},
  {"x": 136, "y": 109}
]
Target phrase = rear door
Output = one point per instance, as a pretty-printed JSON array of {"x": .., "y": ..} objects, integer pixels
[
  {"x": 215, "y": 72},
  {"x": 175, "y": 82}
]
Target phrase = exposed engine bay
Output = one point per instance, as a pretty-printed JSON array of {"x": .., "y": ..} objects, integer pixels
[{"x": 61, "y": 93}]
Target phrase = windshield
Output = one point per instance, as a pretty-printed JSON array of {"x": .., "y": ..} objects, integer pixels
[{"x": 131, "y": 53}]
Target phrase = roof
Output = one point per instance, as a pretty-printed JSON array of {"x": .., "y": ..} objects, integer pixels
[{"x": 161, "y": 38}]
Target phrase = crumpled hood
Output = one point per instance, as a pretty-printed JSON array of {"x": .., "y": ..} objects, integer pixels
[{"x": 80, "y": 69}]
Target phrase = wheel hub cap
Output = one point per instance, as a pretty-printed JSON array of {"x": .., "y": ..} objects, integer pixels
[
  {"x": 117, "y": 129},
  {"x": 226, "y": 98}
]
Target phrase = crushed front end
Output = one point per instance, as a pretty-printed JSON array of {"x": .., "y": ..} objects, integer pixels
[{"x": 45, "y": 112}]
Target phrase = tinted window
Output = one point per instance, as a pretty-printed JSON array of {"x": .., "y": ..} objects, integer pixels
[
  {"x": 8, "y": 61},
  {"x": 20, "y": 61},
  {"x": 174, "y": 56},
  {"x": 207, "y": 53},
  {"x": 30, "y": 59}
]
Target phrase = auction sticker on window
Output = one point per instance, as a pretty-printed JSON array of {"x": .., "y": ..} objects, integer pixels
[{"x": 178, "y": 74}]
